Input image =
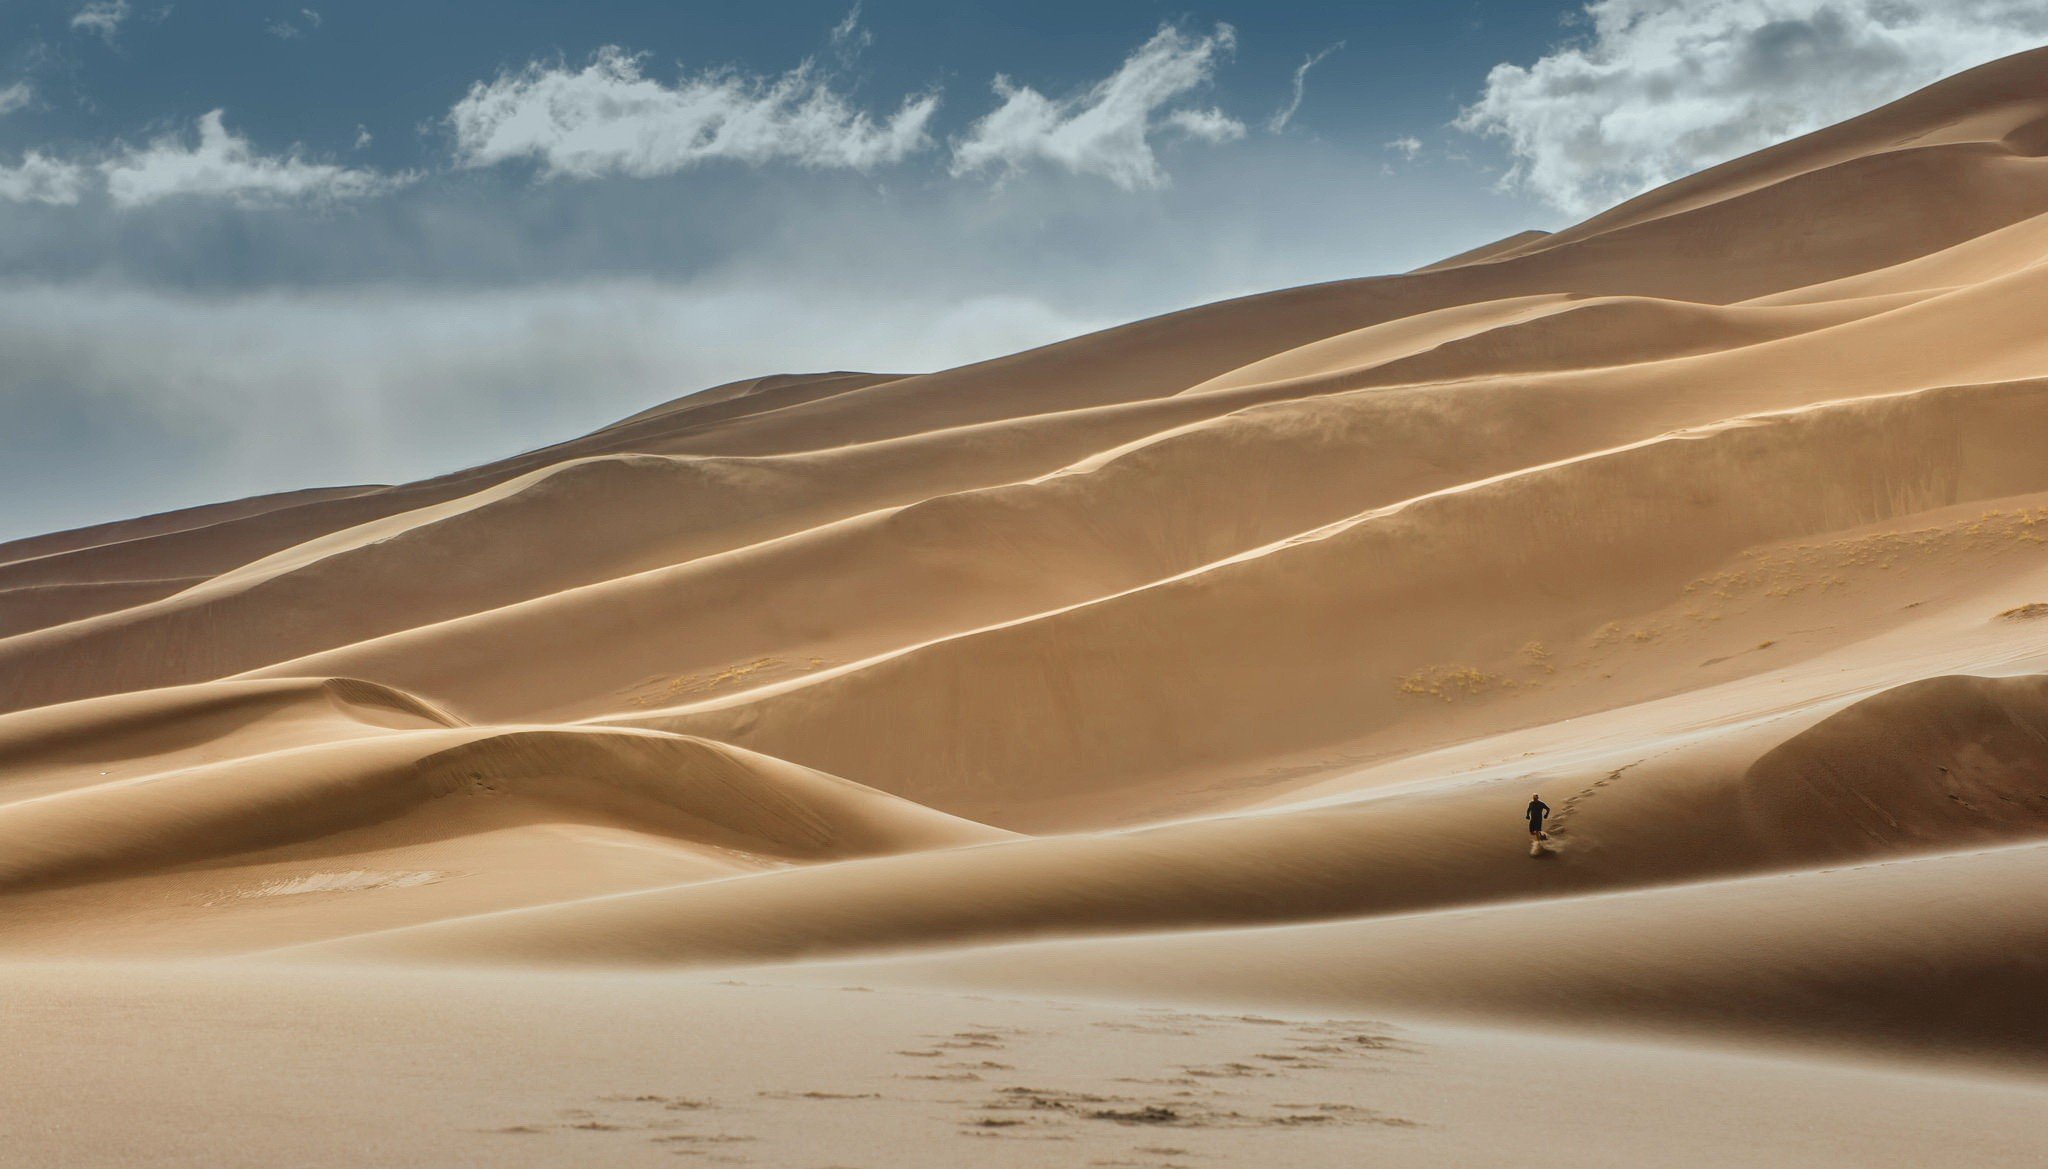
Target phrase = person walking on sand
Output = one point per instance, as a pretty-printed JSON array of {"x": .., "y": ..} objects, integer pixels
[{"x": 1538, "y": 812}]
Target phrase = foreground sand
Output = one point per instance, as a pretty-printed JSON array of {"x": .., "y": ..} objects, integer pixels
[
  {"x": 230, "y": 1068},
  {"x": 1188, "y": 671}
]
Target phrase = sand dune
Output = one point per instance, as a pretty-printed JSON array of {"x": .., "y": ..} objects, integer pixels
[
  {"x": 1207, "y": 659},
  {"x": 1709, "y": 806},
  {"x": 1278, "y": 648},
  {"x": 296, "y": 778}
]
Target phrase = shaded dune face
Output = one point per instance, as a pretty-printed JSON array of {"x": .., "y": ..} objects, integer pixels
[
  {"x": 1947, "y": 761},
  {"x": 1720, "y": 520}
]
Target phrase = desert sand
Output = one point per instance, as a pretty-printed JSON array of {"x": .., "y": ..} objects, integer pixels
[{"x": 1115, "y": 753}]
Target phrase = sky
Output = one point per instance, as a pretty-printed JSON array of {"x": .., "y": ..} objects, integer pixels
[{"x": 256, "y": 246}]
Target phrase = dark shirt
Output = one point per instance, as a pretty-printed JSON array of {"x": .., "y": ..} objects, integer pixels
[{"x": 1537, "y": 811}]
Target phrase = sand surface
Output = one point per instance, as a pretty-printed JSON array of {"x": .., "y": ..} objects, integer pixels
[
  {"x": 224, "y": 1067},
  {"x": 1144, "y": 721}
]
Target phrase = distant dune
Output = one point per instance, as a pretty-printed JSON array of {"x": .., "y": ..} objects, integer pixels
[{"x": 1207, "y": 661}]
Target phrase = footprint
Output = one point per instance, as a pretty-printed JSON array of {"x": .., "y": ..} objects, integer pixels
[
  {"x": 1564, "y": 811},
  {"x": 1141, "y": 1028},
  {"x": 1232, "y": 1070},
  {"x": 1298, "y": 1114}
]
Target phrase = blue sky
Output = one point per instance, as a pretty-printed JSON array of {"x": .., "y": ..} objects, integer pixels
[{"x": 254, "y": 246}]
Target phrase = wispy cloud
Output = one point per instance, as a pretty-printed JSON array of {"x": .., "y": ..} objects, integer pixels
[
  {"x": 102, "y": 18},
  {"x": 849, "y": 39},
  {"x": 1285, "y": 114},
  {"x": 608, "y": 118},
  {"x": 293, "y": 28},
  {"x": 224, "y": 165},
  {"x": 1407, "y": 145},
  {"x": 1658, "y": 89},
  {"x": 1210, "y": 125},
  {"x": 1105, "y": 130},
  {"x": 16, "y": 96}
]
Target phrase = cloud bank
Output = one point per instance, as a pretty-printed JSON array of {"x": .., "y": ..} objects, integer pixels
[
  {"x": 1107, "y": 129},
  {"x": 1662, "y": 88},
  {"x": 222, "y": 397}
]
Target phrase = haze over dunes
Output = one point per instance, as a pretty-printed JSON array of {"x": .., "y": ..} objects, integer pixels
[{"x": 1204, "y": 663}]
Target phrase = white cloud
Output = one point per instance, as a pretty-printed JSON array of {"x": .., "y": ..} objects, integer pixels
[
  {"x": 42, "y": 179},
  {"x": 1661, "y": 88},
  {"x": 609, "y": 119},
  {"x": 225, "y": 165},
  {"x": 102, "y": 18},
  {"x": 1210, "y": 125},
  {"x": 1105, "y": 130},
  {"x": 1286, "y": 113},
  {"x": 363, "y": 136},
  {"x": 38, "y": 178},
  {"x": 1407, "y": 146}
]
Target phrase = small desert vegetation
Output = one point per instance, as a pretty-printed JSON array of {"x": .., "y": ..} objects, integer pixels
[{"x": 1451, "y": 683}]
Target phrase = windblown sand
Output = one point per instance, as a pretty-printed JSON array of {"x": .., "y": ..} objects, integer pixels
[{"x": 1114, "y": 754}]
